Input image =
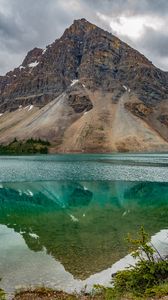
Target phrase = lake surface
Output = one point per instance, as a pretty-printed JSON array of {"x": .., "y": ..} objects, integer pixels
[{"x": 64, "y": 218}]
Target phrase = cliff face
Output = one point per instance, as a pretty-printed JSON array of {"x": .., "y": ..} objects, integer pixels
[{"x": 86, "y": 70}]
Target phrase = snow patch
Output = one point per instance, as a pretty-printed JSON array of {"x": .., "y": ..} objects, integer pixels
[
  {"x": 1, "y": 115},
  {"x": 33, "y": 64},
  {"x": 21, "y": 67},
  {"x": 74, "y": 219},
  {"x": 126, "y": 88},
  {"x": 28, "y": 193},
  {"x": 74, "y": 81},
  {"x": 20, "y": 192},
  {"x": 44, "y": 51},
  {"x": 84, "y": 85},
  {"x": 125, "y": 213},
  {"x": 30, "y": 107},
  {"x": 34, "y": 235},
  {"x": 14, "y": 76}
]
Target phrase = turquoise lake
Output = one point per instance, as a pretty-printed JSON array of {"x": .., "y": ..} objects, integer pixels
[{"x": 64, "y": 218}]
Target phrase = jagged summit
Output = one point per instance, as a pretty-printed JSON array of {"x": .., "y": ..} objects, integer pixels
[
  {"x": 82, "y": 23},
  {"x": 88, "y": 70},
  {"x": 78, "y": 29}
]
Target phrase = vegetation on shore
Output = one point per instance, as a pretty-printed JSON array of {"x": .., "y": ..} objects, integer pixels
[
  {"x": 100, "y": 293},
  {"x": 30, "y": 146},
  {"x": 43, "y": 293}
]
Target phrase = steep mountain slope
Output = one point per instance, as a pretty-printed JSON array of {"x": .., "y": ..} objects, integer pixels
[{"x": 86, "y": 92}]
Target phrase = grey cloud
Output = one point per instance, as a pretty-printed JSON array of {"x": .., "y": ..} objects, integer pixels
[
  {"x": 155, "y": 41},
  {"x": 30, "y": 23},
  {"x": 130, "y": 7}
]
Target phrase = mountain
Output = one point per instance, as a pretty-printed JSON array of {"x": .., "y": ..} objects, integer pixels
[{"x": 86, "y": 92}]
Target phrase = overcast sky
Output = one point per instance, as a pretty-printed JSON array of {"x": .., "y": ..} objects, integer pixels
[{"x": 25, "y": 24}]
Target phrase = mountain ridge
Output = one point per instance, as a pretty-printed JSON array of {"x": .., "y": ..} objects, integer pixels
[{"x": 88, "y": 71}]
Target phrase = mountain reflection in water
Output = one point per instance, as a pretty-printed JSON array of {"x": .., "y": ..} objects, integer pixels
[{"x": 83, "y": 224}]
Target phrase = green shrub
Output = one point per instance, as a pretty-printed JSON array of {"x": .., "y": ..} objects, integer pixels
[
  {"x": 143, "y": 276},
  {"x": 150, "y": 270},
  {"x": 158, "y": 290}
]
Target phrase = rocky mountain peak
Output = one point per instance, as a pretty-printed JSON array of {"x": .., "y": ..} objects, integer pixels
[
  {"x": 87, "y": 53},
  {"x": 79, "y": 28}
]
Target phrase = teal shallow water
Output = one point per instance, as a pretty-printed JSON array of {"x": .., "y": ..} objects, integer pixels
[{"x": 64, "y": 217}]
